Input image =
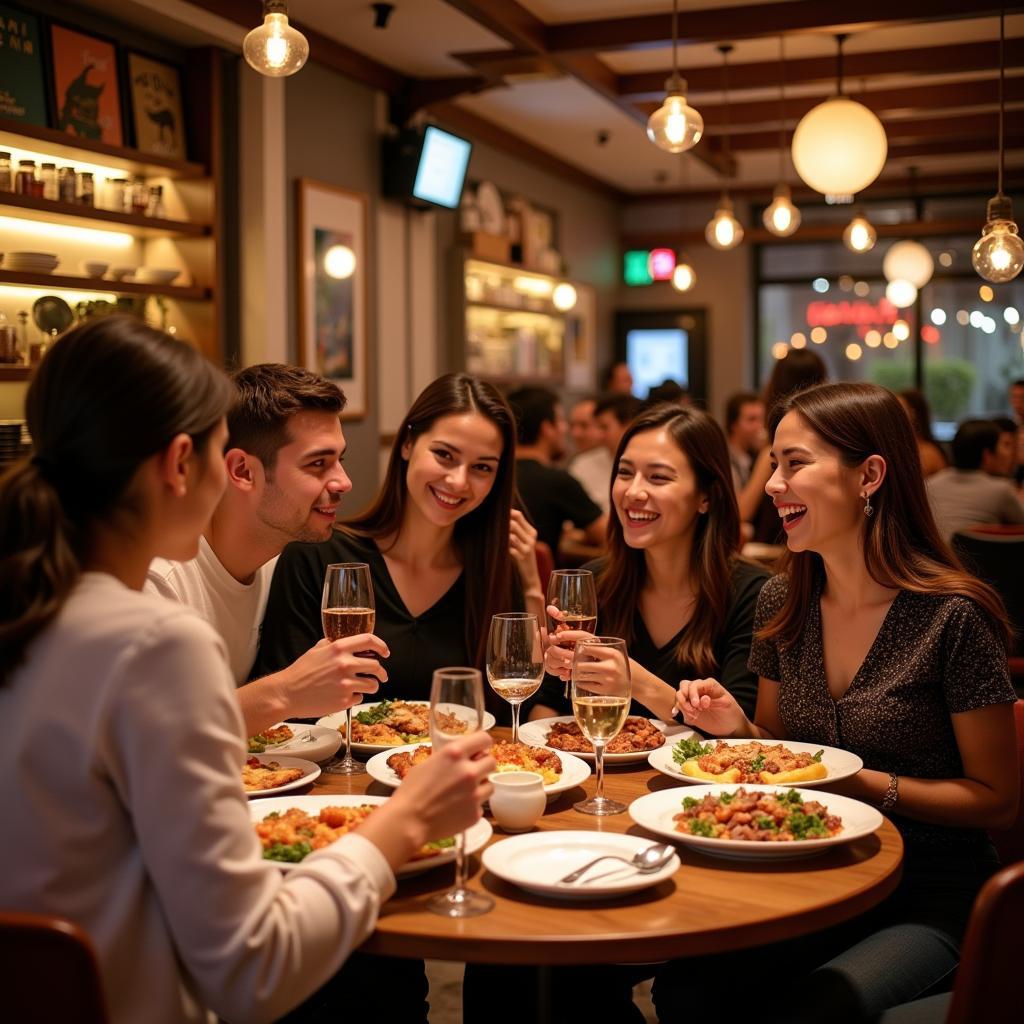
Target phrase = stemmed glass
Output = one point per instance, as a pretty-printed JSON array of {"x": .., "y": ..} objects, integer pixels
[
  {"x": 457, "y": 692},
  {"x": 601, "y": 692},
  {"x": 572, "y": 592},
  {"x": 515, "y": 663},
  {"x": 347, "y": 610}
]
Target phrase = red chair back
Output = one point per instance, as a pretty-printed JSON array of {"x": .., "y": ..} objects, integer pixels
[
  {"x": 987, "y": 980},
  {"x": 1010, "y": 843},
  {"x": 545, "y": 564},
  {"x": 50, "y": 971}
]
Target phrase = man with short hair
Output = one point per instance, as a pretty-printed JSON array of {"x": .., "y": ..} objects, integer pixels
[
  {"x": 1017, "y": 405},
  {"x": 592, "y": 465},
  {"x": 1006, "y": 450},
  {"x": 613, "y": 414},
  {"x": 971, "y": 492},
  {"x": 551, "y": 495},
  {"x": 285, "y": 481},
  {"x": 744, "y": 429},
  {"x": 617, "y": 379}
]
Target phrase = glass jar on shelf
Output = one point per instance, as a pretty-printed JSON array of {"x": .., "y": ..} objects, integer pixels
[
  {"x": 48, "y": 174},
  {"x": 155, "y": 205},
  {"x": 66, "y": 185},
  {"x": 26, "y": 177},
  {"x": 86, "y": 189},
  {"x": 139, "y": 197},
  {"x": 6, "y": 173}
]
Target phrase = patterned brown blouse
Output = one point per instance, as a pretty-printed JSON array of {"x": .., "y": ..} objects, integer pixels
[{"x": 933, "y": 656}]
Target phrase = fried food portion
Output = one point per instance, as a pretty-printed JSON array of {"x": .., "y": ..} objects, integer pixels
[
  {"x": 271, "y": 737},
  {"x": 511, "y": 757},
  {"x": 781, "y": 817},
  {"x": 636, "y": 736},
  {"x": 397, "y": 722},
  {"x": 770, "y": 763},
  {"x": 258, "y": 776}
]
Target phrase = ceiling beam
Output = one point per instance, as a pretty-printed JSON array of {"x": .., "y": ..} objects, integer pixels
[
  {"x": 925, "y": 60},
  {"x": 714, "y": 25}
]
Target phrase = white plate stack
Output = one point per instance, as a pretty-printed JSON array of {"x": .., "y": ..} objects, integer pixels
[
  {"x": 32, "y": 262},
  {"x": 11, "y": 445}
]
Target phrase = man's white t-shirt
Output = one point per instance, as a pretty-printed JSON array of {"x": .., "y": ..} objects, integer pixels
[
  {"x": 593, "y": 469},
  {"x": 235, "y": 610}
]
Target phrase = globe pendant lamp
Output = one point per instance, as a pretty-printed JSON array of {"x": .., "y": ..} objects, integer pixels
[
  {"x": 839, "y": 147},
  {"x": 275, "y": 48},
  {"x": 724, "y": 231},
  {"x": 781, "y": 217},
  {"x": 998, "y": 255},
  {"x": 675, "y": 126},
  {"x": 908, "y": 261},
  {"x": 860, "y": 234},
  {"x": 684, "y": 277}
]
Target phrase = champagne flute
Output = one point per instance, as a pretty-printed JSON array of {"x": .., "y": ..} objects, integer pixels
[
  {"x": 347, "y": 610},
  {"x": 457, "y": 693},
  {"x": 572, "y": 592},
  {"x": 515, "y": 664},
  {"x": 601, "y": 692}
]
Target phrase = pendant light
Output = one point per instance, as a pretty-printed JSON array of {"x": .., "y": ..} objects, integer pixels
[
  {"x": 684, "y": 277},
  {"x": 781, "y": 217},
  {"x": 860, "y": 234},
  {"x": 675, "y": 126},
  {"x": 999, "y": 254},
  {"x": 839, "y": 147},
  {"x": 724, "y": 231},
  {"x": 275, "y": 48}
]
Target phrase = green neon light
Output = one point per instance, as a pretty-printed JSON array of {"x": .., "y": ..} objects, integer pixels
[{"x": 636, "y": 267}]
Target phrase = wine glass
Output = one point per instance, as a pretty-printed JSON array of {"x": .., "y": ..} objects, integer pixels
[
  {"x": 515, "y": 663},
  {"x": 347, "y": 610},
  {"x": 572, "y": 592},
  {"x": 601, "y": 691},
  {"x": 456, "y": 697}
]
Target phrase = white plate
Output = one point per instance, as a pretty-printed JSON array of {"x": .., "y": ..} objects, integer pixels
[
  {"x": 156, "y": 275},
  {"x": 536, "y": 734},
  {"x": 45, "y": 256},
  {"x": 574, "y": 771},
  {"x": 655, "y": 812},
  {"x": 310, "y": 772},
  {"x": 536, "y": 861},
  {"x": 325, "y": 742},
  {"x": 337, "y": 720},
  {"x": 477, "y": 836},
  {"x": 841, "y": 764}
]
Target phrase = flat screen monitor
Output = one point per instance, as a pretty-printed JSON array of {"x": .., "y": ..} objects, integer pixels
[
  {"x": 655, "y": 355},
  {"x": 441, "y": 171}
]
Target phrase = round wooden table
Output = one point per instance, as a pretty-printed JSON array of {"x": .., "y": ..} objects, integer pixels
[{"x": 710, "y": 905}]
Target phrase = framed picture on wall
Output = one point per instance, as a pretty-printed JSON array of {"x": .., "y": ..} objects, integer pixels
[
  {"x": 85, "y": 86},
  {"x": 333, "y": 288},
  {"x": 158, "y": 122},
  {"x": 22, "y": 81}
]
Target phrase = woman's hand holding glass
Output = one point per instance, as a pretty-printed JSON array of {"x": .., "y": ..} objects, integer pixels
[{"x": 709, "y": 706}]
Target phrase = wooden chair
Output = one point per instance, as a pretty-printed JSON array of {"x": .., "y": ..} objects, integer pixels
[
  {"x": 50, "y": 971},
  {"x": 1010, "y": 843},
  {"x": 545, "y": 563}
]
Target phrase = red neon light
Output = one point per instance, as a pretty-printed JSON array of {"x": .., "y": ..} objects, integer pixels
[
  {"x": 854, "y": 314},
  {"x": 662, "y": 263},
  {"x": 930, "y": 334}
]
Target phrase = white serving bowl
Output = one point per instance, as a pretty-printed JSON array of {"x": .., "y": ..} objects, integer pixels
[
  {"x": 156, "y": 275},
  {"x": 94, "y": 268}
]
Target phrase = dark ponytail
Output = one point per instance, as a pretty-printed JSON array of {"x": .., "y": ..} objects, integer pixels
[{"x": 107, "y": 396}]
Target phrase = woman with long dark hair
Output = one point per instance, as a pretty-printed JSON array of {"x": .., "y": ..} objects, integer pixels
[
  {"x": 120, "y": 788},
  {"x": 874, "y": 639},
  {"x": 916, "y": 407},
  {"x": 671, "y": 584},
  {"x": 445, "y": 547}
]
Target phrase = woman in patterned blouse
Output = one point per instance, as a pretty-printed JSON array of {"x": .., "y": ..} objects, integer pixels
[{"x": 876, "y": 640}]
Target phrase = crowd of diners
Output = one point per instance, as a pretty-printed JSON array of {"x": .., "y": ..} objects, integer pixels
[{"x": 162, "y": 555}]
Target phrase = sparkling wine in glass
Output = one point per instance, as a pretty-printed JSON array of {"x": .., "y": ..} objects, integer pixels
[
  {"x": 601, "y": 692},
  {"x": 457, "y": 693},
  {"x": 572, "y": 592},
  {"x": 515, "y": 663},
  {"x": 347, "y": 610}
]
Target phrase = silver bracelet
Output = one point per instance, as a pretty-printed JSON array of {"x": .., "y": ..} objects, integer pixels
[{"x": 892, "y": 794}]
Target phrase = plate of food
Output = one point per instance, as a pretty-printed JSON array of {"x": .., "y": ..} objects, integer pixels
[
  {"x": 559, "y": 771},
  {"x": 392, "y": 723},
  {"x": 771, "y": 763},
  {"x": 639, "y": 736},
  {"x": 264, "y": 774},
  {"x": 313, "y": 742},
  {"x": 755, "y": 822},
  {"x": 291, "y": 828},
  {"x": 538, "y": 861}
]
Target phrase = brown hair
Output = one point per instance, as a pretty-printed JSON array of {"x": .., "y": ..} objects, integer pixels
[
  {"x": 481, "y": 537},
  {"x": 108, "y": 395},
  {"x": 799, "y": 368},
  {"x": 268, "y": 395},
  {"x": 715, "y": 540},
  {"x": 902, "y": 545}
]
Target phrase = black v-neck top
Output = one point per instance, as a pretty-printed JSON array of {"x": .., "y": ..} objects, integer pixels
[
  {"x": 418, "y": 644},
  {"x": 934, "y": 656}
]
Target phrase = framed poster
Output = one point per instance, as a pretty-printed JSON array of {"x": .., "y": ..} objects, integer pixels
[
  {"x": 332, "y": 288},
  {"x": 157, "y": 120},
  {"x": 86, "y": 90},
  {"x": 22, "y": 82}
]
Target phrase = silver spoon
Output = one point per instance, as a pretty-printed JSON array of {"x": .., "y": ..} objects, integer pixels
[{"x": 649, "y": 859}]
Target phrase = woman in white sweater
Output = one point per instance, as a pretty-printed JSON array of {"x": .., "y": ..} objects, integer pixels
[{"x": 120, "y": 789}]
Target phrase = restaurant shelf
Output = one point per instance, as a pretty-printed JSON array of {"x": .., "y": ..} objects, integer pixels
[
  {"x": 509, "y": 308},
  {"x": 101, "y": 284},
  {"x": 54, "y": 212},
  {"x": 12, "y": 371}
]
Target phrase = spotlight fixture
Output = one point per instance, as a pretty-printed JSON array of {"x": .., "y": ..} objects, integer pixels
[
  {"x": 275, "y": 48},
  {"x": 724, "y": 231},
  {"x": 781, "y": 217},
  {"x": 675, "y": 126}
]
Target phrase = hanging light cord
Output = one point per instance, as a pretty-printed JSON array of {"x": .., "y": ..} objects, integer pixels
[
  {"x": 724, "y": 49},
  {"x": 1002, "y": 68},
  {"x": 840, "y": 39},
  {"x": 782, "y": 108},
  {"x": 675, "y": 37}
]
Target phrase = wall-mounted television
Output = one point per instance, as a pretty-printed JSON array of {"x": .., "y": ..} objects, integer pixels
[{"x": 426, "y": 167}]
